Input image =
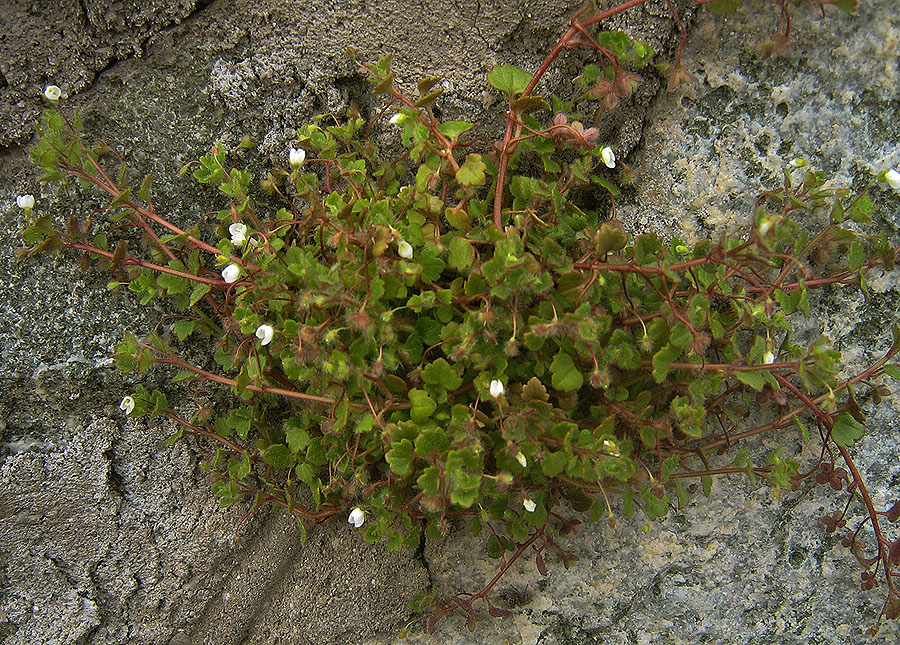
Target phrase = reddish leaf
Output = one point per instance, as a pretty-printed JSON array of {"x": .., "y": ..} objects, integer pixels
[
  {"x": 894, "y": 513},
  {"x": 496, "y": 612},
  {"x": 539, "y": 561}
]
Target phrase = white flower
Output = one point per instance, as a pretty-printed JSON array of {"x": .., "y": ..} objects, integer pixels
[
  {"x": 529, "y": 505},
  {"x": 265, "y": 333},
  {"x": 497, "y": 391},
  {"x": 608, "y": 156},
  {"x": 404, "y": 250},
  {"x": 297, "y": 156},
  {"x": 522, "y": 459},
  {"x": 799, "y": 163},
  {"x": 892, "y": 177},
  {"x": 231, "y": 273},
  {"x": 127, "y": 405},
  {"x": 397, "y": 119},
  {"x": 768, "y": 358},
  {"x": 238, "y": 233},
  {"x": 357, "y": 517},
  {"x": 25, "y": 201},
  {"x": 52, "y": 93}
]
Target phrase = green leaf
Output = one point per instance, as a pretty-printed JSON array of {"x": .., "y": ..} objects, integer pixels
[
  {"x": 184, "y": 328},
  {"x": 509, "y": 79},
  {"x": 297, "y": 438},
  {"x": 400, "y": 457},
  {"x": 422, "y": 405},
  {"x": 857, "y": 255},
  {"x": 430, "y": 480},
  {"x": 239, "y": 468},
  {"x": 846, "y": 430},
  {"x": 452, "y": 129},
  {"x": 305, "y": 473},
  {"x": 662, "y": 359},
  {"x": 471, "y": 173},
  {"x": 278, "y": 455},
  {"x": 554, "y": 463},
  {"x": 432, "y": 265},
  {"x": 892, "y": 370},
  {"x": 199, "y": 291},
  {"x": 462, "y": 254},
  {"x": 433, "y": 440},
  {"x": 755, "y": 379},
  {"x": 566, "y": 377},
  {"x": 706, "y": 482},
  {"x": 441, "y": 373}
]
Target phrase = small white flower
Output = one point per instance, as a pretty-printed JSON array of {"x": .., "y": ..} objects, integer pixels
[
  {"x": 52, "y": 93},
  {"x": 799, "y": 163},
  {"x": 357, "y": 517},
  {"x": 522, "y": 459},
  {"x": 529, "y": 505},
  {"x": 608, "y": 157},
  {"x": 238, "y": 233},
  {"x": 127, "y": 405},
  {"x": 297, "y": 156},
  {"x": 397, "y": 119},
  {"x": 892, "y": 177},
  {"x": 265, "y": 333},
  {"x": 230, "y": 273},
  {"x": 25, "y": 201},
  {"x": 497, "y": 391},
  {"x": 768, "y": 358},
  {"x": 404, "y": 250}
]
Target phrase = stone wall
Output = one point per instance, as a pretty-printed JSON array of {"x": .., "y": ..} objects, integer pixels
[{"x": 109, "y": 537}]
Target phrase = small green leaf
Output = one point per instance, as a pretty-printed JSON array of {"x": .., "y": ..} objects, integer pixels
[
  {"x": 441, "y": 373},
  {"x": 756, "y": 379},
  {"x": 846, "y": 430},
  {"x": 856, "y": 255},
  {"x": 509, "y": 79},
  {"x": 452, "y": 129},
  {"x": 430, "y": 480},
  {"x": 199, "y": 291},
  {"x": 461, "y": 255},
  {"x": 554, "y": 463},
  {"x": 471, "y": 173},
  {"x": 422, "y": 405},
  {"x": 892, "y": 370},
  {"x": 431, "y": 441},
  {"x": 400, "y": 457},
  {"x": 566, "y": 377},
  {"x": 278, "y": 455}
]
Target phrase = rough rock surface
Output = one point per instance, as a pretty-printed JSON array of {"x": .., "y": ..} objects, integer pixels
[{"x": 109, "y": 537}]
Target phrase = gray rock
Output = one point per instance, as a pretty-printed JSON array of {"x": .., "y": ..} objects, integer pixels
[{"x": 109, "y": 537}]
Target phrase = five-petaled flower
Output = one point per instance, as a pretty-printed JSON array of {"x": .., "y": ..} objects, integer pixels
[
  {"x": 357, "y": 517},
  {"x": 238, "y": 233},
  {"x": 497, "y": 390},
  {"x": 529, "y": 505},
  {"x": 404, "y": 250},
  {"x": 52, "y": 93},
  {"x": 265, "y": 333},
  {"x": 230, "y": 273},
  {"x": 127, "y": 405},
  {"x": 522, "y": 459},
  {"x": 608, "y": 157},
  {"x": 25, "y": 201},
  {"x": 892, "y": 177},
  {"x": 297, "y": 156}
]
